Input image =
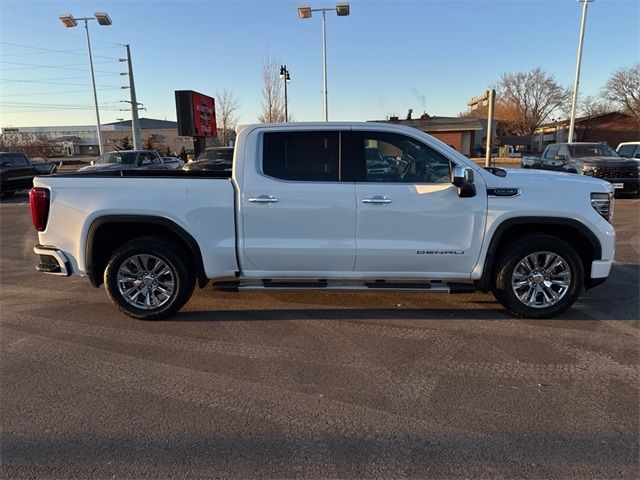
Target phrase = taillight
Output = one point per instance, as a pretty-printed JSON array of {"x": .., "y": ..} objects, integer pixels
[{"x": 39, "y": 199}]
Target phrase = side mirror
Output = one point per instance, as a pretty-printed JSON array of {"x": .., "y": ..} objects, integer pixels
[
  {"x": 637, "y": 155},
  {"x": 463, "y": 178},
  {"x": 560, "y": 158}
]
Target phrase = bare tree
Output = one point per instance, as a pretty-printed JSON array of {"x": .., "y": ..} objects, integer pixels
[
  {"x": 534, "y": 95},
  {"x": 591, "y": 105},
  {"x": 39, "y": 145},
  {"x": 272, "y": 92},
  {"x": 227, "y": 105},
  {"x": 623, "y": 89}
]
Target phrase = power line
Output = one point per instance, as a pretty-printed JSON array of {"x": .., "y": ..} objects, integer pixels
[
  {"x": 68, "y": 52},
  {"x": 65, "y": 92},
  {"x": 56, "y": 33},
  {"x": 30, "y": 66},
  {"x": 55, "y": 83}
]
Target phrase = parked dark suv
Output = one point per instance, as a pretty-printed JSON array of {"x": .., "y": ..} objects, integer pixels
[{"x": 593, "y": 159}]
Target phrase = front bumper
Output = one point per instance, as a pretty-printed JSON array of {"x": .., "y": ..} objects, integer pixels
[
  {"x": 52, "y": 261},
  {"x": 625, "y": 186}
]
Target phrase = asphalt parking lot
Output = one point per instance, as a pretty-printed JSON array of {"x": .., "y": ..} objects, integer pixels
[{"x": 318, "y": 384}]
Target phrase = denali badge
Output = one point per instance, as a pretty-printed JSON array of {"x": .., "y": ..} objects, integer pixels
[{"x": 440, "y": 252}]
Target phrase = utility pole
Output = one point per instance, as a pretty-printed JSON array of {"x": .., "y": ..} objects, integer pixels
[
  {"x": 576, "y": 82},
  {"x": 491, "y": 96},
  {"x": 135, "y": 121},
  {"x": 487, "y": 99}
]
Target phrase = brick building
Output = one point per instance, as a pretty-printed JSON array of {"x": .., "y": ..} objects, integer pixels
[
  {"x": 611, "y": 128},
  {"x": 464, "y": 134}
]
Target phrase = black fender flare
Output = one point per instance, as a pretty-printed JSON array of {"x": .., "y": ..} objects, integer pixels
[
  {"x": 176, "y": 229},
  {"x": 489, "y": 259}
]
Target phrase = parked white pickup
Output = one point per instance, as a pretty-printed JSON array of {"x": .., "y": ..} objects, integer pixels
[{"x": 309, "y": 206}]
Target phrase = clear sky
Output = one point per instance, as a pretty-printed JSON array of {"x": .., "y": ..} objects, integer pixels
[{"x": 386, "y": 57}]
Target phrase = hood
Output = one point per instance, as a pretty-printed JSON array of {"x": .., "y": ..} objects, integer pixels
[
  {"x": 106, "y": 166},
  {"x": 608, "y": 161},
  {"x": 518, "y": 177}
]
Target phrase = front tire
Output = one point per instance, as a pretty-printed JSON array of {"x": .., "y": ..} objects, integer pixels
[
  {"x": 147, "y": 278},
  {"x": 538, "y": 276}
]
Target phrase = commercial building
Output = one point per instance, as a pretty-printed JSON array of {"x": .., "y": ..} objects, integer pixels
[
  {"x": 82, "y": 139},
  {"x": 611, "y": 128}
]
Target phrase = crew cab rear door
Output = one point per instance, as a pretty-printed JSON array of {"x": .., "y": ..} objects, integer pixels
[
  {"x": 297, "y": 205},
  {"x": 410, "y": 220}
]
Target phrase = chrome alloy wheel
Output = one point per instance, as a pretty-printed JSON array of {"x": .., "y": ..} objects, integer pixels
[
  {"x": 541, "y": 279},
  {"x": 145, "y": 281}
]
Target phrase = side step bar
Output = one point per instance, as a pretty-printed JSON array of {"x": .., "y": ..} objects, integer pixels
[{"x": 289, "y": 285}]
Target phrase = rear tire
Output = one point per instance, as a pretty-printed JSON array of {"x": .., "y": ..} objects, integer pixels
[
  {"x": 538, "y": 276},
  {"x": 147, "y": 278}
]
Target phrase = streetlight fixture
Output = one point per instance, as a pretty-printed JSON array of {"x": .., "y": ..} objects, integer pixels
[
  {"x": 286, "y": 78},
  {"x": 576, "y": 82},
  {"x": 104, "y": 19},
  {"x": 304, "y": 12}
]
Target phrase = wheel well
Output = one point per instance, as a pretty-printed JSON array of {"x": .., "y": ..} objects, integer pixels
[
  {"x": 105, "y": 236},
  {"x": 584, "y": 242}
]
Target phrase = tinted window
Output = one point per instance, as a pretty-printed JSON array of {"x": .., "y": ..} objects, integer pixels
[
  {"x": 155, "y": 158},
  {"x": 127, "y": 158},
  {"x": 552, "y": 151},
  {"x": 217, "y": 154},
  {"x": 627, "y": 151},
  {"x": 593, "y": 150},
  {"x": 390, "y": 157},
  {"x": 302, "y": 156},
  {"x": 19, "y": 161}
]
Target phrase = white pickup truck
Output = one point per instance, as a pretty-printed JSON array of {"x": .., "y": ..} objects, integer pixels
[{"x": 308, "y": 206}]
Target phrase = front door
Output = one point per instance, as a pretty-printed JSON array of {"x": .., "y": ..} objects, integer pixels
[
  {"x": 410, "y": 220},
  {"x": 298, "y": 209}
]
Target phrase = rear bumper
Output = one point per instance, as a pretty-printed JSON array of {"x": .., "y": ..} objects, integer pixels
[{"x": 52, "y": 261}]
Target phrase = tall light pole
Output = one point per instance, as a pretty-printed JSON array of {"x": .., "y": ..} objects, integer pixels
[
  {"x": 576, "y": 82},
  {"x": 103, "y": 19},
  {"x": 135, "y": 121},
  {"x": 286, "y": 78},
  {"x": 342, "y": 10}
]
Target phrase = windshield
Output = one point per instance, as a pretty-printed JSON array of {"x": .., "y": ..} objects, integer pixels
[
  {"x": 126, "y": 158},
  {"x": 592, "y": 150},
  {"x": 217, "y": 154}
]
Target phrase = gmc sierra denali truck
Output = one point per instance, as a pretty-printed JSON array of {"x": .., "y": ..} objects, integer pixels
[{"x": 303, "y": 208}]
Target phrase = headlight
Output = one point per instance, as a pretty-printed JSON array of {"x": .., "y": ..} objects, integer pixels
[
  {"x": 603, "y": 204},
  {"x": 588, "y": 170}
]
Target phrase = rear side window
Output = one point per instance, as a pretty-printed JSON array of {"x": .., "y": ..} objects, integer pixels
[
  {"x": 302, "y": 156},
  {"x": 19, "y": 161}
]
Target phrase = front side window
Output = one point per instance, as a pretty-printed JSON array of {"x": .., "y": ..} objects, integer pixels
[
  {"x": 155, "y": 159},
  {"x": 391, "y": 157},
  {"x": 126, "y": 158},
  {"x": 302, "y": 156},
  {"x": 552, "y": 151}
]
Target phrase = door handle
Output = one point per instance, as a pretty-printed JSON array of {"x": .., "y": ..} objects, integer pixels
[
  {"x": 376, "y": 199},
  {"x": 263, "y": 199}
]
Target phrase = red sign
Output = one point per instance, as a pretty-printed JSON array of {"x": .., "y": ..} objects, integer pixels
[{"x": 204, "y": 116}]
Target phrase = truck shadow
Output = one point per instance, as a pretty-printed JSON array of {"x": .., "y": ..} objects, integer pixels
[{"x": 617, "y": 299}]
